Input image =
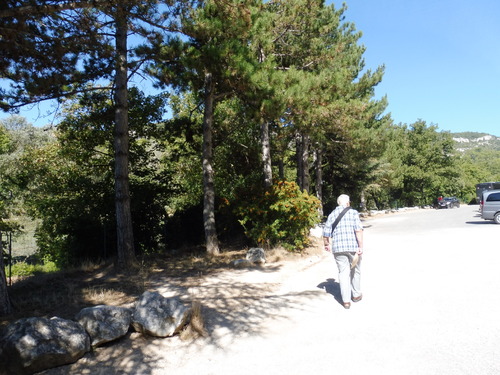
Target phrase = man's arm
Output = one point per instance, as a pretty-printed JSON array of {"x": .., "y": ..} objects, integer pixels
[
  {"x": 327, "y": 232},
  {"x": 359, "y": 238}
]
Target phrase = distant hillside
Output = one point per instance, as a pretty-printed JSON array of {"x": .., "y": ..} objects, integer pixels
[{"x": 470, "y": 140}]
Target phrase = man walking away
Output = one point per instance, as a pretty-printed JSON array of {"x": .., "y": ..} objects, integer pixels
[{"x": 345, "y": 230}]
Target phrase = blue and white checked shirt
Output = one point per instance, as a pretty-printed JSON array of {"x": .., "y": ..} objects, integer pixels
[{"x": 343, "y": 237}]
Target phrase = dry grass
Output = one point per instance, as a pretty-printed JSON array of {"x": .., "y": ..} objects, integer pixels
[
  {"x": 64, "y": 294},
  {"x": 196, "y": 326}
]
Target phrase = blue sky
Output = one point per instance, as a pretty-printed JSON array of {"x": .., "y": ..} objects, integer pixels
[
  {"x": 441, "y": 57},
  {"x": 442, "y": 61}
]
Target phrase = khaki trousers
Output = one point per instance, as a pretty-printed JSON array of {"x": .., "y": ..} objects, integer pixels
[{"x": 349, "y": 279}]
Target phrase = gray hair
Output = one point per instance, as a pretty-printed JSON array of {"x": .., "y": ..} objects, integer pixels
[{"x": 343, "y": 200}]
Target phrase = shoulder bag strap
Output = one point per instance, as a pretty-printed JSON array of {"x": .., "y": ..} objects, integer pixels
[{"x": 339, "y": 217}]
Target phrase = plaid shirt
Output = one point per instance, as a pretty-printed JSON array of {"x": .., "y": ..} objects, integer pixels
[{"x": 343, "y": 237}]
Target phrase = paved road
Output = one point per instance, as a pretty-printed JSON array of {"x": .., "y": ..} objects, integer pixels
[
  {"x": 431, "y": 306},
  {"x": 432, "y": 284}
]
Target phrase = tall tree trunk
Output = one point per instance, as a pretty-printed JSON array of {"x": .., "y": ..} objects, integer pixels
[
  {"x": 125, "y": 237},
  {"x": 319, "y": 178},
  {"x": 5, "y": 307},
  {"x": 303, "y": 178},
  {"x": 306, "y": 182},
  {"x": 281, "y": 169},
  {"x": 266, "y": 155},
  {"x": 362, "y": 198},
  {"x": 211, "y": 240},
  {"x": 298, "y": 155}
]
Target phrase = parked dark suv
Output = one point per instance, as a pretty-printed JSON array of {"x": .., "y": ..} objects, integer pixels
[{"x": 448, "y": 202}]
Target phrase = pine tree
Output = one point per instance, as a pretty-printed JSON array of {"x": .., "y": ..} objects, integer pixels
[
  {"x": 213, "y": 60},
  {"x": 54, "y": 50},
  {"x": 327, "y": 95}
]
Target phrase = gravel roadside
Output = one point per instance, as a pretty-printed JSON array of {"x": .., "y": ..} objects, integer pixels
[{"x": 430, "y": 306}]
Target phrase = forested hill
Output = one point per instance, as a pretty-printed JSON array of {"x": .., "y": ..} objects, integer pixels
[{"x": 471, "y": 140}]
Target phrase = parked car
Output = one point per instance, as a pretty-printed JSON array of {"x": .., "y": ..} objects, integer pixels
[
  {"x": 448, "y": 202},
  {"x": 490, "y": 205}
]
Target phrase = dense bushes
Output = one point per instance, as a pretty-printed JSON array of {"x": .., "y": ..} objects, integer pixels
[{"x": 281, "y": 216}]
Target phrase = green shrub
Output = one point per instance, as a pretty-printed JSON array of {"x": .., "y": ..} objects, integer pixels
[
  {"x": 281, "y": 216},
  {"x": 26, "y": 269}
]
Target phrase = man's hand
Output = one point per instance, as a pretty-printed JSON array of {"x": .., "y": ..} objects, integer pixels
[{"x": 326, "y": 244}]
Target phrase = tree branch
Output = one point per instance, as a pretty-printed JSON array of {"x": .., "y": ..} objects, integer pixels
[
  {"x": 7, "y": 107},
  {"x": 49, "y": 8}
]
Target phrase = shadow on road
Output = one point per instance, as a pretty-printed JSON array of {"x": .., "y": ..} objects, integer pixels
[
  {"x": 331, "y": 286},
  {"x": 487, "y": 222}
]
